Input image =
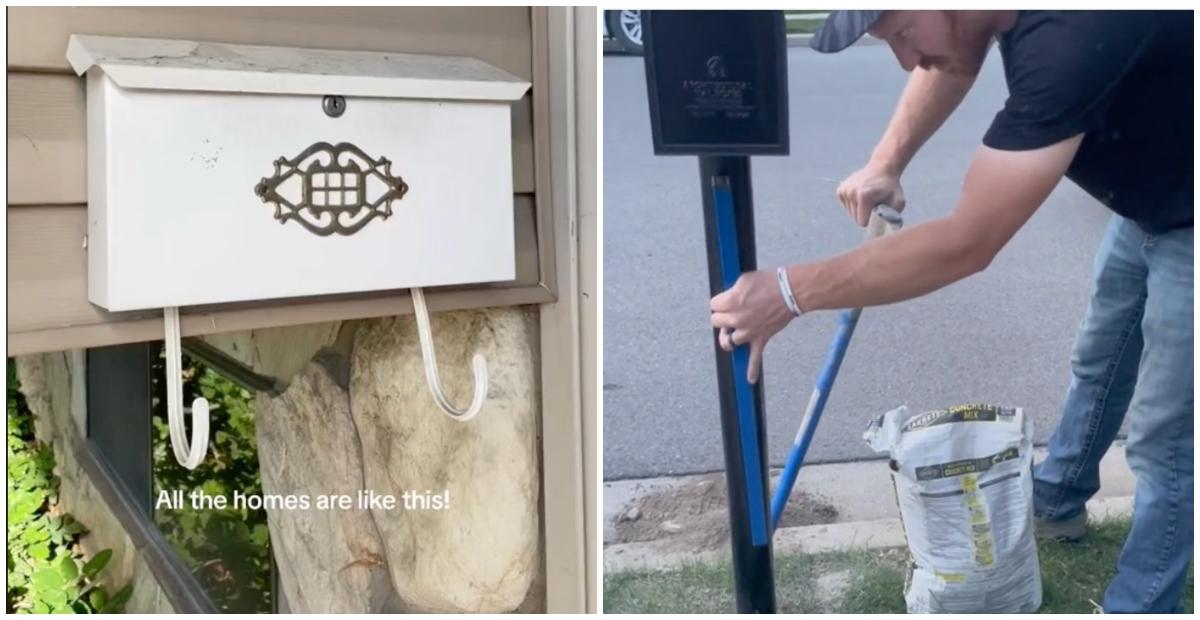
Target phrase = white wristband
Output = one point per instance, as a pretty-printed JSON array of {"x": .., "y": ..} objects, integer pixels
[{"x": 785, "y": 289}]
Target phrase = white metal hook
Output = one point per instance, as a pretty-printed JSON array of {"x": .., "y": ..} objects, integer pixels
[
  {"x": 188, "y": 454},
  {"x": 431, "y": 371}
]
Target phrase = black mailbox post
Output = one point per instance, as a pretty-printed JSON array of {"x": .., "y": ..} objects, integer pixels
[{"x": 717, "y": 82}]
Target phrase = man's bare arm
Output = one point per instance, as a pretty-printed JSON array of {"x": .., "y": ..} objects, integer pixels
[
  {"x": 1001, "y": 191},
  {"x": 927, "y": 101}
]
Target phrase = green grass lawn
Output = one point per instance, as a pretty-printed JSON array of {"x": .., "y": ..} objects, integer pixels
[{"x": 1074, "y": 576}]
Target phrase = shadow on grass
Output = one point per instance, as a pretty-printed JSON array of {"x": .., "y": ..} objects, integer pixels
[{"x": 1074, "y": 576}]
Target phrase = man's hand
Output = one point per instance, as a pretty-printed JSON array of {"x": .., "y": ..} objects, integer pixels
[
  {"x": 750, "y": 312},
  {"x": 928, "y": 99},
  {"x": 868, "y": 188}
]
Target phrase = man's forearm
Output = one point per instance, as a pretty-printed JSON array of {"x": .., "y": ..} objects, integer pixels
[
  {"x": 897, "y": 267},
  {"x": 928, "y": 99},
  {"x": 1000, "y": 193}
]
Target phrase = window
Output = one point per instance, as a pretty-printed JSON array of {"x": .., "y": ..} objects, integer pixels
[{"x": 218, "y": 559}]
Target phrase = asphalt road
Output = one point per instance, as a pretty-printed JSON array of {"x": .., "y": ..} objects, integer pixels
[{"x": 1002, "y": 336}]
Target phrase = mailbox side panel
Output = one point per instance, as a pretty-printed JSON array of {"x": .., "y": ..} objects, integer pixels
[
  {"x": 97, "y": 159},
  {"x": 186, "y": 169}
]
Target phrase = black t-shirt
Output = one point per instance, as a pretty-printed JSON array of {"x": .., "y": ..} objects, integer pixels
[{"x": 1124, "y": 80}]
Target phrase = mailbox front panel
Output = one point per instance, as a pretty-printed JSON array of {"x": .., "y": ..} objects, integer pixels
[
  {"x": 717, "y": 82},
  {"x": 213, "y": 197}
]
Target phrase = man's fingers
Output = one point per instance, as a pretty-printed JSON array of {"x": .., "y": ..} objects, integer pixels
[
  {"x": 722, "y": 320},
  {"x": 720, "y": 302},
  {"x": 756, "y": 351},
  {"x": 846, "y": 196},
  {"x": 854, "y": 205},
  {"x": 862, "y": 213},
  {"x": 729, "y": 299},
  {"x": 729, "y": 338},
  {"x": 723, "y": 340}
]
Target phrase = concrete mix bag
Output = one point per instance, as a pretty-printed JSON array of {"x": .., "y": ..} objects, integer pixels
[{"x": 964, "y": 482}]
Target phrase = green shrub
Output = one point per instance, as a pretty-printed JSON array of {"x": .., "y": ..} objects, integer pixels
[
  {"x": 228, "y": 550},
  {"x": 47, "y": 572}
]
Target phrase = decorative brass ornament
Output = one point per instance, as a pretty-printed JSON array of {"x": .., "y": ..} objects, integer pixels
[{"x": 333, "y": 195}]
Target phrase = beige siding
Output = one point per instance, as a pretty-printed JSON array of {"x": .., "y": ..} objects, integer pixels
[
  {"x": 47, "y": 191},
  {"x": 47, "y": 160},
  {"x": 586, "y": 30},
  {"x": 565, "y": 39}
]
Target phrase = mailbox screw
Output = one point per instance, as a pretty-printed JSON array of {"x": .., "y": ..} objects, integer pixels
[{"x": 334, "y": 105}]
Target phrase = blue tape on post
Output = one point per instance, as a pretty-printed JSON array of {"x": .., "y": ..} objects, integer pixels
[{"x": 747, "y": 428}]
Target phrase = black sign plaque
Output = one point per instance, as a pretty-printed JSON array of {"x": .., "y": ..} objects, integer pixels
[{"x": 717, "y": 82}]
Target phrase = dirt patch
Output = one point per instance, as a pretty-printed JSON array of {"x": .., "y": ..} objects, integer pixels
[{"x": 694, "y": 515}]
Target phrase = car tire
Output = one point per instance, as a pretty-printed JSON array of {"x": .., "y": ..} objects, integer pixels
[{"x": 625, "y": 27}]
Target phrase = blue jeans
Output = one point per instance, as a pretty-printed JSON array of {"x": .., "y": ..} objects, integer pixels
[{"x": 1133, "y": 353}]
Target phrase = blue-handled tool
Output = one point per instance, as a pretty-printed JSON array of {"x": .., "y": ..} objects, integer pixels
[{"x": 884, "y": 219}]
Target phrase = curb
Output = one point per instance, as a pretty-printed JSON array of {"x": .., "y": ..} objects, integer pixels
[{"x": 873, "y": 534}]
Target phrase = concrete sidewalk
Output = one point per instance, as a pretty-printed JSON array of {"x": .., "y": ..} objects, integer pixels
[{"x": 861, "y": 492}]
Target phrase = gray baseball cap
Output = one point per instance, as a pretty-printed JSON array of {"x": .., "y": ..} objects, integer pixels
[{"x": 842, "y": 29}]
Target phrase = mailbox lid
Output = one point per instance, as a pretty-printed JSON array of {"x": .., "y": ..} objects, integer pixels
[{"x": 173, "y": 64}]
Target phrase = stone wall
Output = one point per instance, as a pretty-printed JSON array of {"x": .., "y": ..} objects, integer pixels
[
  {"x": 359, "y": 416},
  {"x": 47, "y": 383},
  {"x": 356, "y": 414}
]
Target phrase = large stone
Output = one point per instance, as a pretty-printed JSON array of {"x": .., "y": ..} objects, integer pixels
[
  {"x": 279, "y": 352},
  {"x": 330, "y": 561},
  {"x": 482, "y": 553}
]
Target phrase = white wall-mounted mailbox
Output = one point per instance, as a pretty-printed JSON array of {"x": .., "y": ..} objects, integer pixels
[{"x": 223, "y": 173}]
